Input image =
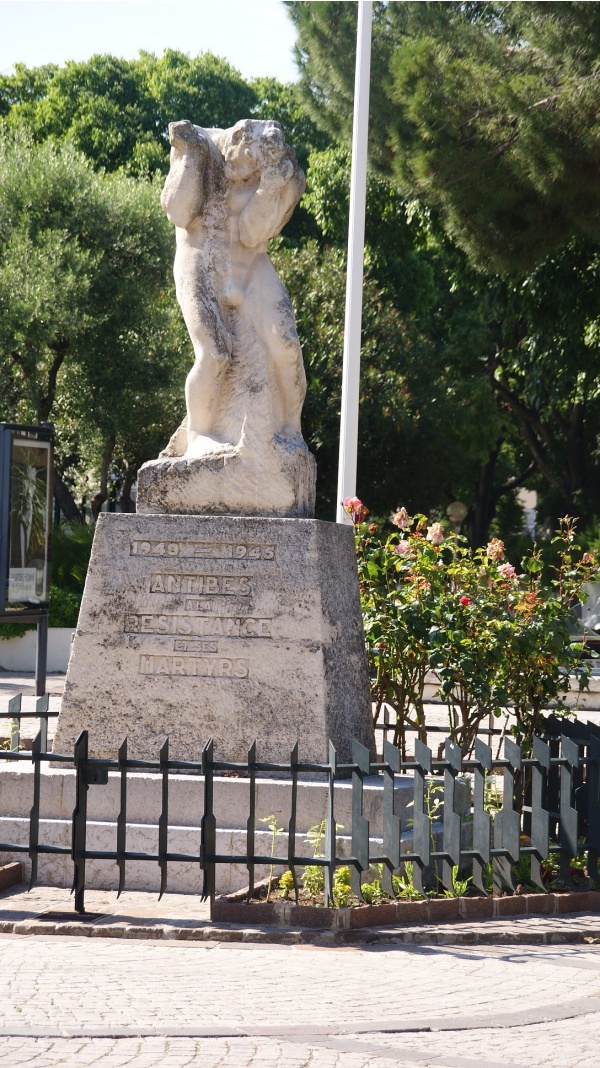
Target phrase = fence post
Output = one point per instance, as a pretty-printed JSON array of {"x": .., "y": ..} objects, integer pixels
[
  {"x": 122, "y": 818},
  {"x": 163, "y": 819},
  {"x": 292, "y": 823},
  {"x": 593, "y": 785},
  {"x": 330, "y": 827},
  {"x": 421, "y": 820},
  {"x": 567, "y": 832},
  {"x": 452, "y": 820},
  {"x": 208, "y": 826},
  {"x": 540, "y": 817},
  {"x": 392, "y": 828},
  {"x": 507, "y": 822},
  {"x": 482, "y": 821},
  {"x": 360, "y": 826},
  {"x": 41, "y": 710},
  {"x": 80, "y": 822},
  {"x": 34, "y": 815},
  {"x": 251, "y": 821}
]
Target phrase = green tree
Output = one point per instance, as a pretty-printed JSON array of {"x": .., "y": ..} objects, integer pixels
[
  {"x": 88, "y": 336},
  {"x": 414, "y": 411},
  {"x": 448, "y": 331},
  {"x": 117, "y": 111},
  {"x": 487, "y": 111}
]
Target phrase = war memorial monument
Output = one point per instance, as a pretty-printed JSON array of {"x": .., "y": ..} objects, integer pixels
[{"x": 223, "y": 609}]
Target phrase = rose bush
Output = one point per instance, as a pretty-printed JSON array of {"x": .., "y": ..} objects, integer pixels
[{"x": 493, "y": 635}]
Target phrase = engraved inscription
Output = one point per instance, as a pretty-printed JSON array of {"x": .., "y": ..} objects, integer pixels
[
  {"x": 228, "y": 585},
  {"x": 194, "y": 645},
  {"x": 194, "y": 666},
  {"x": 217, "y": 550},
  {"x": 195, "y": 628},
  {"x": 225, "y": 626}
]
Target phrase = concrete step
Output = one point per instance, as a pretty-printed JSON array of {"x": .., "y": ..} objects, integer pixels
[
  {"x": 186, "y": 798},
  {"x": 186, "y": 805}
]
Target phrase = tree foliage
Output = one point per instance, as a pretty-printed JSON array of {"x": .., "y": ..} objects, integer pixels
[
  {"x": 88, "y": 339},
  {"x": 117, "y": 111},
  {"x": 488, "y": 112}
]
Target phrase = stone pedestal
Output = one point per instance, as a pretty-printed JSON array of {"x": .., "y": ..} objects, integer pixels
[
  {"x": 277, "y": 480},
  {"x": 216, "y": 626}
]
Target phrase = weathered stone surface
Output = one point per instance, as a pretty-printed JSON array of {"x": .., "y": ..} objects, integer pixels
[
  {"x": 278, "y": 480},
  {"x": 239, "y": 450},
  {"x": 214, "y": 626}
]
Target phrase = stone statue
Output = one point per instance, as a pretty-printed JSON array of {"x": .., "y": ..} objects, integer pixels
[{"x": 240, "y": 447}]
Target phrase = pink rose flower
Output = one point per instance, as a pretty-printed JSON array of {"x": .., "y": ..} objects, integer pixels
[
  {"x": 401, "y": 519},
  {"x": 355, "y": 508},
  {"x": 435, "y": 533},
  {"x": 403, "y": 548},
  {"x": 507, "y": 571},
  {"x": 495, "y": 550},
  {"x": 465, "y": 600}
]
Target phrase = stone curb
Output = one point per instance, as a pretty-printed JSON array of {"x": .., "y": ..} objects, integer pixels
[
  {"x": 396, "y": 913},
  {"x": 492, "y": 932},
  {"x": 527, "y": 919},
  {"x": 11, "y": 874}
]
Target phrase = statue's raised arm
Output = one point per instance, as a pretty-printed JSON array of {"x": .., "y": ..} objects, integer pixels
[
  {"x": 183, "y": 192},
  {"x": 281, "y": 185}
]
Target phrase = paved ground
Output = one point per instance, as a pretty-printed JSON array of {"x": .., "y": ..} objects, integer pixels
[
  {"x": 81, "y": 1001},
  {"x": 151, "y": 997},
  {"x": 162, "y": 1001}
]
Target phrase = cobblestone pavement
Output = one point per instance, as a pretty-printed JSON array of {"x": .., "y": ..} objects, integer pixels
[{"x": 80, "y": 1001}]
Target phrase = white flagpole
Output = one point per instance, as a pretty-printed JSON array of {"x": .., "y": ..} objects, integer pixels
[{"x": 356, "y": 248}]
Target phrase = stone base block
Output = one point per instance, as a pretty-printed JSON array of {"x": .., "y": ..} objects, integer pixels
[
  {"x": 238, "y": 629},
  {"x": 278, "y": 481}
]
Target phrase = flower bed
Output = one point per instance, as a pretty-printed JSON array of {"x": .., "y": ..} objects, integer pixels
[{"x": 427, "y": 911}]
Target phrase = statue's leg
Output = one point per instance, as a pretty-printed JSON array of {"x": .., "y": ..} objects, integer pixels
[
  {"x": 204, "y": 383},
  {"x": 272, "y": 316}
]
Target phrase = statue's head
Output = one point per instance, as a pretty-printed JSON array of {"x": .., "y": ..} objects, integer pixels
[{"x": 251, "y": 145}]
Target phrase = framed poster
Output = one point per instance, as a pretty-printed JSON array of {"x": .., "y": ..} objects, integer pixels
[{"x": 26, "y": 474}]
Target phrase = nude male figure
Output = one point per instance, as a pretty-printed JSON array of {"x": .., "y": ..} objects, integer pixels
[{"x": 227, "y": 193}]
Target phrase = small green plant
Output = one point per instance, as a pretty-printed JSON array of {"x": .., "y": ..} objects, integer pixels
[
  {"x": 286, "y": 885},
  {"x": 403, "y": 884},
  {"x": 313, "y": 876},
  {"x": 341, "y": 887},
  {"x": 460, "y": 887},
  {"x": 271, "y": 822},
  {"x": 313, "y": 879},
  {"x": 372, "y": 891}
]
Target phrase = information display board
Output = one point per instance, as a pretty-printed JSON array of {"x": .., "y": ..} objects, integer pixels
[{"x": 26, "y": 474}]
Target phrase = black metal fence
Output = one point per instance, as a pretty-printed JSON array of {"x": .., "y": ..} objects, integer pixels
[{"x": 549, "y": 804}]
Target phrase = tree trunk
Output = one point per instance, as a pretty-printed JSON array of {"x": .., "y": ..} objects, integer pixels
[
  {"x": 66, "y": 500},
  {"x": 576, "y": 462},
  {"x": 124, "y": 499},
  {"x": 102, "y": 495},
  {"x": 60, "y": 350},
  {"x": 484, "y": 504}
]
